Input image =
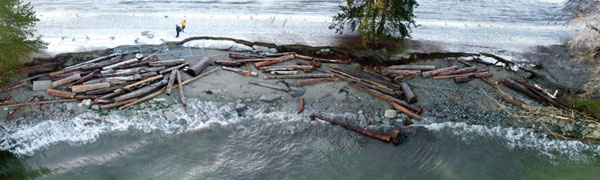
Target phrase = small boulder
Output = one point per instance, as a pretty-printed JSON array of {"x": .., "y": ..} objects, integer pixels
[
  {"x": 390, "y": 113},
  {"x": 42, "y": 85},
  {"x": 86, "y": 102}
]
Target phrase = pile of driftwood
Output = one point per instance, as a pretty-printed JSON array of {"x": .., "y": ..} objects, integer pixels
[{"x": 112, "y": 81}]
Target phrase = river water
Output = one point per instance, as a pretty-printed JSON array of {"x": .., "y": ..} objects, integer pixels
[{"x": 212, "y": 144}]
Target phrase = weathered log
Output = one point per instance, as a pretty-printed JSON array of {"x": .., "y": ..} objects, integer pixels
[
  {"x": 385, "y": 97},
  {"x": 103, "y": 90},
  {"x": 101, "y": 58},
  {"x": 200, "y": 76},
  {"x": 83, "y": 97},
  {"x": 86, "y": 78},
  {"x": 300, "y": 76},
  {"x": 405, "y": 111},
  {"x": 372, "y": 72},
  {"x": 107, "y": 96},
  {"x": 139, "y": 83},
  {"x": 62, "y": 94},
  {"x": 117, "y": 65},
  {"x": 199, "y": 66},
  {"x": 89, "y": 87},
  {"x": 427, "y": 74},
  {"x": 511, "y": 101},
  {"x": 363, "y": 76},
  {"x": 489, "y": 83},
  {"x": 514, "y": 85},
  {"x": 124, "y": 72},
  {"x": 141, "y": 91},
  {"x": 62, "y": 76},
  {"x": 248, "y": 66},
  {"x": 173, "y": 68},
  {"x": 148, "y": 74},
  {"x": 14, "y": 113},
  {"x": 64, "y": 71},
  {"x": 134, "y": 65},
  {"x": 66, "y": 80},
  {"x": 301, "y": 107},
  {"x": 384, "y": 90},
  {"x": 308, "y": 58},
  {"x": 228, "y": 63},
  {"x": 305, "y": 68},
  {"x": 365, "y": 132},
  {"x": 172, "y": 62},
  {"x": 171, "y": 81},
  {"x": 151, "y": 55},
  {"x": 101, "y": 64},
  {"x": 39, "y": 68},
  {"x": 408, "y": 94},
  {"x": 459, "y": 71},
  {"x": 37, "y": 103},
  {"x": 284, "y": 72},
  {"x": 471, "y": 75},
  {"x": 124, "y": 78},
  {"x": 308, "y": 82},
  {"x": 181, "y": 95},
  {"x": 270, "y": 86},
  {"x": 543, "y": 95},
  {"x": 112, "y": 105},
  {"x": 244, "y": 56},
  {"x": 274, "y": 60},
  {"x": 240, "y": 71},
  {"x": 462, "y": 79},
  {"x": 394, "y": 73},
  {"x": 411, "y": 67}
]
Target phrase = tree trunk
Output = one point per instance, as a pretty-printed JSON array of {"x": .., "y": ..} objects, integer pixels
[
  {"x": 103, "y": 90},
  {"x": 199, "y": 66}
]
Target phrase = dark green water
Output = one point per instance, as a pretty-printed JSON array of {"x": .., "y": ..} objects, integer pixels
[{"x": 286, "y": 146}]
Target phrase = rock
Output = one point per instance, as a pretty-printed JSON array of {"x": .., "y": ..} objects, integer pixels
[
  {"x": 595, "y": 134},
  {"x": 270, "y": 97},
  {"x": 386, "y": 122},
  {"x": 363, "y": 122},
  {"x": 402, "y": 116},
  {"x": 70, "y": 106},
  {"x": 360, "y": 112},
  {"x": 182, "y": 122},
  {"x": 86, "y": 102},
  {"x": 240, "y": 127},
  {"x": 592, "y": 125},
  {"x": 147, "y": 129},
  {"x": 240, "y": 106},
  {"x": 260, "y": 48},
  {"x": 408, "y": 122},
  {"x": 272, "y": 50},
  {"x": 170, "y": 116},
  {"x": 96, "y": 107},
  {"x": 377, "y": 119},
  {"x": 390, "y": 113},
  {"x": 42, "y": 85}
]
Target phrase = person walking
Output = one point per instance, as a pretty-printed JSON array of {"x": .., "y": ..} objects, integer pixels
[
  {"x": 178, "y": 29},
  {"x": 183, "y": 23}
]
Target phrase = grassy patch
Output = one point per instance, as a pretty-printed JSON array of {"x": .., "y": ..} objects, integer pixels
[{"x": 591, "y": 105}]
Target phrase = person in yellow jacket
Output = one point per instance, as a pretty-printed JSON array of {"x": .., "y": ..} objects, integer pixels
[{"x": 183, "y": 23}]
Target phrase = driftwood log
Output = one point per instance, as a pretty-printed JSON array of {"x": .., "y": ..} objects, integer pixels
[
  {"x": 385, "y": 97},
  {"x": 305, "y": 68},
  {"x": 39, "y": 68},
  {"x": 171, "y": 82},
  {"x": 244, "y": 56},
  {"x": 284, "y": 72},
  {"x": 411, "y": 67},
  {"x": 514, "y": 85},
  {"x": 125, "y": 72},
  {"x": 181, "y": 95},
  {"x": 86, "y": 78},
  {"x": 274, "y": 60},
  {"x": 62, "y": 94},
  {"x": 117, "y": 65},
  {"x": 141, "y": 91},
  {"x": 459, "y": 71},
  {"x": 66, "y": 80},
  {"x": 172, "y": 62},
  {"x": 95, "y": 60},
  {"x": 102, "y": 64},
  {"x": 427, "y": 74},
  {"x": 89, "y": 87},
  {"x": 462, "y": 79},
  {"x": 240, "y": 71},
  {"x": 172, "y": 68},
  {"x": 308, "y": 82},
  {"x": 408, "y": 94},
  {"x": 300, "y": 76},
  {"x": 197, "y": 68},
  {"x": 138, "y": 84},
  {"x": 103, "y": 90},
  {"x": 228, "y": 63}
]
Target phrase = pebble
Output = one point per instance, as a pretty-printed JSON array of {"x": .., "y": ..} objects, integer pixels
[
  {"x": 147, "y": 129},
  {"x": 182, "y": 122},
  {"x": 170, "y": 116},
  {"x": 240, "y": 106},
  {"x": 87, "y": 102},
  {"x": 390, "y": 113}
]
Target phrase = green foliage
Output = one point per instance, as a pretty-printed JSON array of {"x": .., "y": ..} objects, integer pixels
[
  {"x": 376, "y": 20},
  {"x": 591, "y": 105},
  {"x": 16, "y": 30}
]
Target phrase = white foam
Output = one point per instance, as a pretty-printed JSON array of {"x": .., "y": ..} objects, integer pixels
[{"x": 522, "y": 138}]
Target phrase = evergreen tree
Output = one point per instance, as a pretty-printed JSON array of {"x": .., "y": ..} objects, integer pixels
[
  {"x": 16, "y": 30},
  {"x": 376, "y": 19}
]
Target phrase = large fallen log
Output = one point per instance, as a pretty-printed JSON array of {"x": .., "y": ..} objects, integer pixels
[
  {"x": 308, "y": 82},
  {"x": 514, "y": 85},
  {"x": 134, "y": 65},
  {"x": 462, "y": 79},
  {"x": 300, "y": 76},
  {"x": 124, "y": 78},
  {"x": 197, "y": 68},
  {"x": 240, "y": 71},
  {"x": 459, "y": 71},
  {"x": 181, "y": 95},
  {"x": 112, "y": 105},
  {"x": 411, "y": 67},
  {"x": 89, "y": 87},
  {"x": 394, "y": 73},
  {"x": 103, "y": 90},
  {"x": 148, "y": 74},
  {"x": 125, "y": 72},
  {"x": 141, "y": 91},
  {"x": 37, "y": 103},
  {"x": 101, "y": 58},
  {"x": 114, "y": 66},
  {"x": 408, "y": 94},
  {"x": 63, "y": 71},
  {"x": 138, "y": 84},
  {"x": 274, "y": 60},
  {"x": 86, "y": 78},
  {"x": 384, "y": 97},
  {"x": 172, "y": 62},
  {"x": 543, "y": 95},
  {"x": 284, "y": 72},
  {"x": 427, "y": 74},
  {"x": 172, "y": 68},
  {"x": 102, "y": 64},
  {"x": 363, "y": 76},
  {"x": 62, "y": 76},
  {"x": 228, "y": 63},
  {"x": 270, "y": 86},
  {"x": 391, "y": 138},
  {"x": 39, "y": 68},
  {"x": 471, "y": 75},
  {"x": 62, "y": 94},
  {"x": 171, "y": 81},
  {"x": 66, "y": 80},
  {"x": 244, "y": 56},
  {"x": 83, "y": 97},
  {"x": 305, "y": 68}
]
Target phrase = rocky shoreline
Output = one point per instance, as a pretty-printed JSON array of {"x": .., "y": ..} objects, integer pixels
[{"x": 473, "y": 102}]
